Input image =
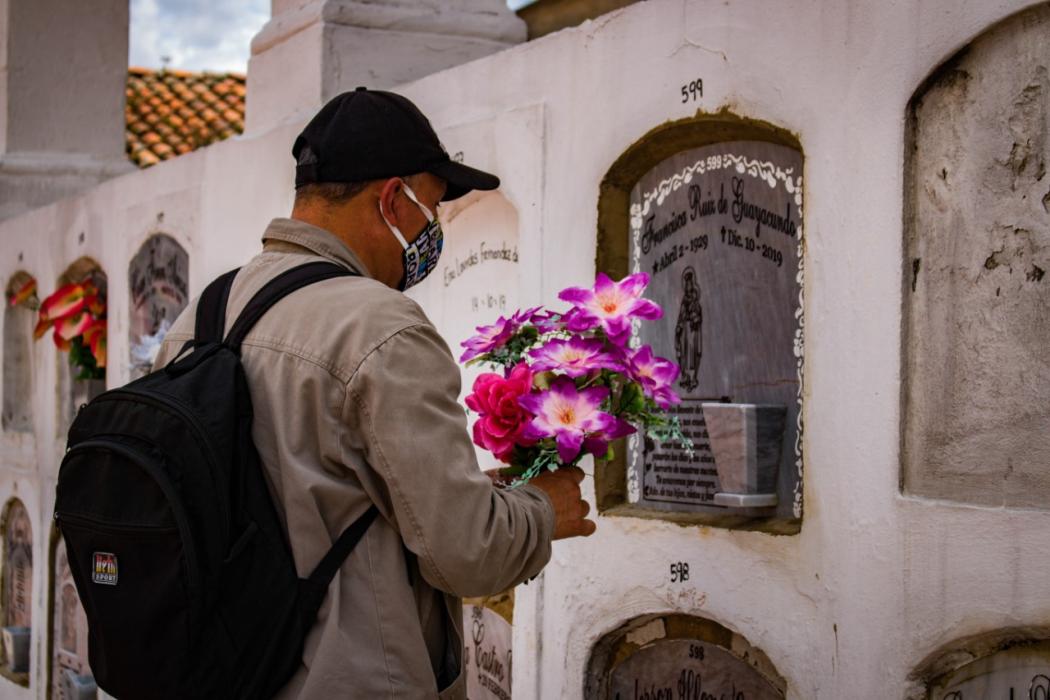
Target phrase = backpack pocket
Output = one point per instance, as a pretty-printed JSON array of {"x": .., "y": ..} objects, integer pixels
[{"x": 131, "y": 555}]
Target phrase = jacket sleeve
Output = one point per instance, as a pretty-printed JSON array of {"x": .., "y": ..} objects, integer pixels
[{"x": 471, "y": 538}]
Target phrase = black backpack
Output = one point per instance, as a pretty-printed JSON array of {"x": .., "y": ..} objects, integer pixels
[{"x": 178, "y": 554}]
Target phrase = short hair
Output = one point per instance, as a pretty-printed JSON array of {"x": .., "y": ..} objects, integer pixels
[
  {"x": 337, "y": 192},
  {"x": 330, "y": 192}
]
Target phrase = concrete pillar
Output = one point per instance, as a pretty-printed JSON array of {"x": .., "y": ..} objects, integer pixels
[
  {"x": 311, "y": 50},
  {"x": 63, "y": 70}
]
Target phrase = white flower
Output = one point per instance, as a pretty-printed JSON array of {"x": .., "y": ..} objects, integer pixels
[{"x": 144, "y": 352}]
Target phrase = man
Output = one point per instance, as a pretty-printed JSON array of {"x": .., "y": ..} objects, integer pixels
[{"x": 355, "y": 399}]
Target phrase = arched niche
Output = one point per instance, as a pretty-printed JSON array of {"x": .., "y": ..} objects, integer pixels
[
  {"x": 68, "y": 666},
  {"x": 17, "y": 591},
  {"x": 71, "y": 392},
  {"x": 158, "y": 281},
  {"x": 1005, "y": 663},
  {"x": 19, "y": 320},
  {"x": 477, "y": 278},
  {"x": 711, "y": 209},
  {"x": 679, "y": 656},
  {"x": 976, "y": 325},
  {"x": 488, "y": 635}
]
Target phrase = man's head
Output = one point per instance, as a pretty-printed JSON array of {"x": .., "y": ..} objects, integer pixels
[{"x": 371, "y": 170}]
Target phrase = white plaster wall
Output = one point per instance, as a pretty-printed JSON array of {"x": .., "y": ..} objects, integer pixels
[{"x": 875, "y": 581}]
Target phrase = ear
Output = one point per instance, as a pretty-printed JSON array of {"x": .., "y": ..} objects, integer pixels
[{"x": 389, "y": 201}]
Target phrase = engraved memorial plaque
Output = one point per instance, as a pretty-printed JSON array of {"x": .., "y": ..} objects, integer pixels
[
  {"x": 1020, "y": 672},
  {"x": 476, "y": 279},
  {"x": 69, "y": 634},
  {"x": 719, "y": 231},
  {"x": 158, "y": 275},
  {"x": 18, "y": 579},
  {"x": 487, "y": 653},
  {"x": 688, "y": 669}
]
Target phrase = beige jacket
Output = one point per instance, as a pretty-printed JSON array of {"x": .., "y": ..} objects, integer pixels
[{"x": 355, "y": 399}]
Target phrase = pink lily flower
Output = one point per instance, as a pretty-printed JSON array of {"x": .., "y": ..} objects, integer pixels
[
  {"x": 656, "y": 376},
  {"x": 568, "y": 415},
  {"x": 575, "y": 357},
  {"x": 490, "y": 338},
  {"x": 493, "y": 337},
  {"x": 610, "y": 305}
]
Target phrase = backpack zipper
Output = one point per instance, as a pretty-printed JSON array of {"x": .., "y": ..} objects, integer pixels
[
  {"x": 115, "y": 528},
  {"x": 174, "y": 405}
]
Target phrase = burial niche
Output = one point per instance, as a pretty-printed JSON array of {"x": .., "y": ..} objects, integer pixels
[
  {"x": 159, "y": 290},
  {"x": 70, "y": 673},
  {"x": 711, "y": 210},
  {"x": 477, "y": 276},
  {"x": 17, "y": 590},
  {"x": 679, "y": 656},
  {"x": 976, "y": 390},
  {"x": 1006, "y": 663},
  {"x": 79, "y": 383},
  {"x": 19, "y": 319},
  {"x": 488, "y": 646}
]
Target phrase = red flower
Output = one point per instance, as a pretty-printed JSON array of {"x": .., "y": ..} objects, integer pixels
[{"x": 501, "y": 418}]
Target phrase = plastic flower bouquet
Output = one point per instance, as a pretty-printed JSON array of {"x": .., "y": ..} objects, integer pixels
[
  {"x": 570, "y": 382},
  {"x": 77, "y": 313}
]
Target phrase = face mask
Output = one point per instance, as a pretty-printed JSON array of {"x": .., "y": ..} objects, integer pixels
[{"x": 420, "y": 258}]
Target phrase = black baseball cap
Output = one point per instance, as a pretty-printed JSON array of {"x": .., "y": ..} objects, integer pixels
[{"x": 370, "y": 135}]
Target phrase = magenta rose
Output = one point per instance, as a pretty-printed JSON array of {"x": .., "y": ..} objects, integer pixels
[{"x": 501, "y": 419}]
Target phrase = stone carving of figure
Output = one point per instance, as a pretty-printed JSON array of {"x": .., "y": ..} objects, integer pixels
[{"x": 688, "y": 336}]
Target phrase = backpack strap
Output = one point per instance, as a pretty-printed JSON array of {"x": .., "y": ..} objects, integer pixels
[
  {"x": 275, "y": 290},
  {"x": 313, "y": 589},
  {"x": 211, "y": 309}
]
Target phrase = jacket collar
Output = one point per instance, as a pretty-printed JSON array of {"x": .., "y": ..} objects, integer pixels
[{"x": 316, "y": 240}]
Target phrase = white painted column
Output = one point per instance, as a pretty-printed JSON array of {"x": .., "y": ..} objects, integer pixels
[
  {"x": 311, "y": 50},
  {"x": 63, "y": 70}
]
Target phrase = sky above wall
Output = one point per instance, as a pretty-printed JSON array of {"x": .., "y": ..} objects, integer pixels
[{"x": 201, "y": 34}]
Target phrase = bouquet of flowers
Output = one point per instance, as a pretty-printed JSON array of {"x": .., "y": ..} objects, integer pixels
[
  {"x": 570, "y": 382},
  {"x": 77, "y": 313}
]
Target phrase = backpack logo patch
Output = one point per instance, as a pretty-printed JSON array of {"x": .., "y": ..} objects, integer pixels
[{"x": 105, "y": 569}]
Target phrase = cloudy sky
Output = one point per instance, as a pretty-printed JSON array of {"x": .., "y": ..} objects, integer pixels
[
  {"x": 195, "y": 34},
  {"x": 199, "y": 34}
]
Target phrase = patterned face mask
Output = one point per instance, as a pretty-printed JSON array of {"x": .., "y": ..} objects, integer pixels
[{"x": 420, "y": 258}]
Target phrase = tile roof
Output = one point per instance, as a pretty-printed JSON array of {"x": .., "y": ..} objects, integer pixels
[{"x": 171, "y": 112}]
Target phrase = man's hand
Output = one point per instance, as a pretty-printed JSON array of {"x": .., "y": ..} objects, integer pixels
[{"x": 570, "y": 510}]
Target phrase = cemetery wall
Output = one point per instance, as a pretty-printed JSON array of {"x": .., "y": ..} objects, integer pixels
[{"x": 871, "y": 586}]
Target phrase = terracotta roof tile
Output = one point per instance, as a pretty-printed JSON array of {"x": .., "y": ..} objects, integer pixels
[{"x": 171, "y": 112}]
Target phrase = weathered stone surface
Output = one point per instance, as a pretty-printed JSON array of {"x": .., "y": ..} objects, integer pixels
[{"x": 977, "y": 306}]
